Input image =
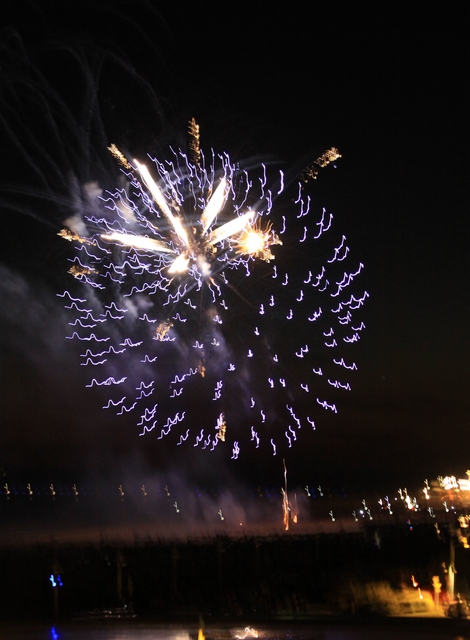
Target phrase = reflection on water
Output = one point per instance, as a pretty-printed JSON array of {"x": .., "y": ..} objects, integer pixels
[
  {"x": 98, "y": 632},
  {"x": 391, "y": 629}
]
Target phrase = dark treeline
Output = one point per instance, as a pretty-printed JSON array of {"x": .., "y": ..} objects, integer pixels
[{"x": 219, "y": 575}]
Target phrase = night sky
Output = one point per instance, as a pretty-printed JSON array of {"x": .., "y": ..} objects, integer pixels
[{"x": 384, "y": 83}]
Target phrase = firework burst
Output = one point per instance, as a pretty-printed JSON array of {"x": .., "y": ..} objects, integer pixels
[{"x": 216, "y": 305}]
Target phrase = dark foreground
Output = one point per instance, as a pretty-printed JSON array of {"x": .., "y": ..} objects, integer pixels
[
  {"x": 258, "y": 578},
  {"x": 333, "y": 629},
  {"x": 332, "y": 572}
]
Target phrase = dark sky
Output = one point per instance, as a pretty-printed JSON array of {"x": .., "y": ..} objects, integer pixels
[{"x": 385, "y": 83}]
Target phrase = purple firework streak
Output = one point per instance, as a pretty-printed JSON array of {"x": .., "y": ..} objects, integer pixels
[{"x": 217, "y": 305}]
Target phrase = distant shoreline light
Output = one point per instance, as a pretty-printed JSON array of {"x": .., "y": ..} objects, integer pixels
[{"x": 450, "y": 482}]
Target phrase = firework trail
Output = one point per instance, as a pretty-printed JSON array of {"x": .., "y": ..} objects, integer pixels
[{"x": 216, "y": 304}]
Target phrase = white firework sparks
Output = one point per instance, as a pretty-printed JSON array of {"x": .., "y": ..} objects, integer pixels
[{"x": 196, "y": 315}]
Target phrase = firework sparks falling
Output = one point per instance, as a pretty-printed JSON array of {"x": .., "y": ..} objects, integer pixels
[
  {"x": 205, "y": 311},
  {"x": 285, "y": 500}
]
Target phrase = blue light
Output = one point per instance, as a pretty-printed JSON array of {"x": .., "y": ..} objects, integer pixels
[{"x": 55, "y": 581}]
